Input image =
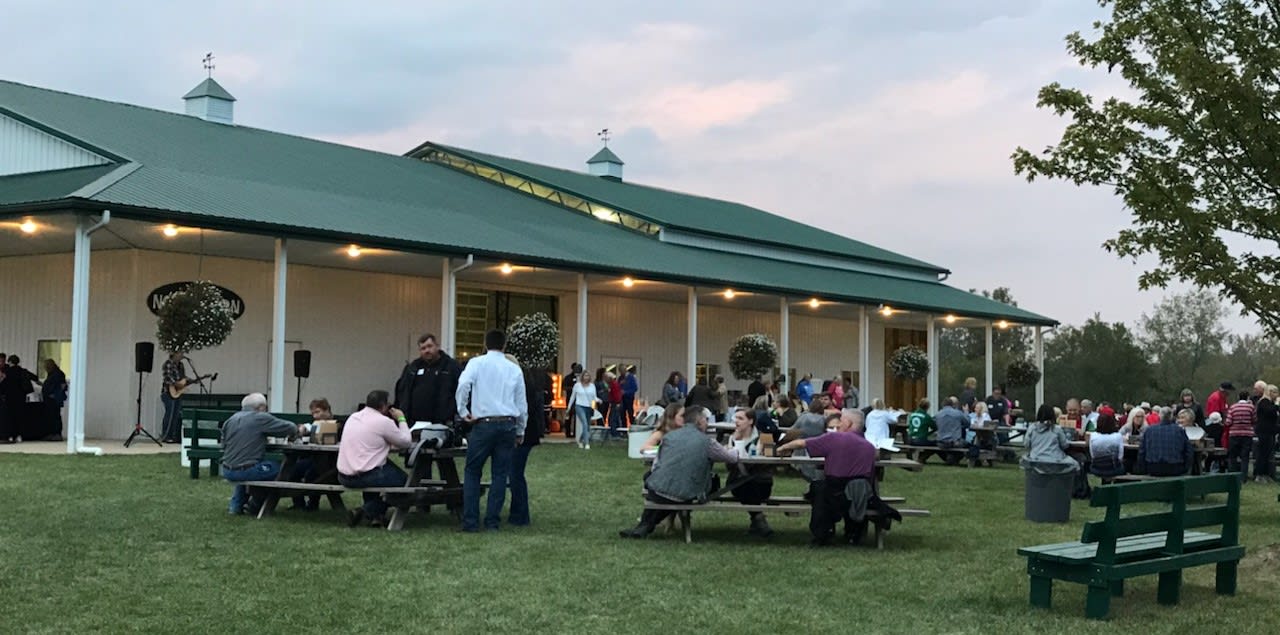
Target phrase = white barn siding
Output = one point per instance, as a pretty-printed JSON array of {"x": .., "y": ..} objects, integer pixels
[
  {"x": 823, "y": 346},
  {"x": 25, "y": 149},
  {"x": 361, "y": 328}
]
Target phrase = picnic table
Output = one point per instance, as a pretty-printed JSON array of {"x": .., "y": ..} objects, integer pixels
[
  {"x": 419, "y": 489},
  {"x": 721, "y": 499},
  {"x": 1080, "y": 449},
  {"x": 724, "y": 430}
]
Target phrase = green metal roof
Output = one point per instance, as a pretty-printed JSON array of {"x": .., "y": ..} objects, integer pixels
[
  {"x": 37, "y": 187},
  {"x": 605, "y": 155},
  {"x": 183, "y": 169},
  {"x": 209, "y": 88},
  {"x": 695, "y": 213}
]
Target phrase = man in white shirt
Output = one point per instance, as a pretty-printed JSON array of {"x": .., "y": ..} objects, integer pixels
[{"x": 490, "y": 396}]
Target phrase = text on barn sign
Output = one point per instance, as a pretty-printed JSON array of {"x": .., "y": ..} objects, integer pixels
[{"x": 160, "y": 295}]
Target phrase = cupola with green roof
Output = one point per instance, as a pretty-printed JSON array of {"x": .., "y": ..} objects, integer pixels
[
  {"x": 606, "y": 164},
  {"x": 211, "y": 102}
]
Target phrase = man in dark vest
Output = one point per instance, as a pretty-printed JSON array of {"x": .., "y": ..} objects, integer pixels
[
  {"x": 682, "y": 472},
  {"x": 426, "y": 388}
]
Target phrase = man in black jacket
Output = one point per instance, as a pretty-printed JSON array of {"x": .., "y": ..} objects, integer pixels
[{"x": 426, "y": 388}]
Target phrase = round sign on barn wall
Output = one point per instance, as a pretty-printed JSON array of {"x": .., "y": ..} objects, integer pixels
[{"x": 160, "y": 295}]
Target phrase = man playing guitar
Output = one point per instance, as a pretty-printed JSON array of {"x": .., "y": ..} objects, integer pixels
[{"x": 175, "y": 383}]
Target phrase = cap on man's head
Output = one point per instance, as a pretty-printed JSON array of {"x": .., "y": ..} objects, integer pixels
[{"x": 1226, "y": 385}]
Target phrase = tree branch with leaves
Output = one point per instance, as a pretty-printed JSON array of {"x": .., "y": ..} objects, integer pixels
[{"x": 1194, "y": 153}]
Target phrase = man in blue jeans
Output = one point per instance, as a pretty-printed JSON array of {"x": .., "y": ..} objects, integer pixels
[
  {"x": 630, "y": 386},
  {"x": 491, "y": 397},
  {"x": 244, "y": 443},
  {"x": 367, "y": 438}
]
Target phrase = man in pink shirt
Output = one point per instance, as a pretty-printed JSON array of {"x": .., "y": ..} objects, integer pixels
[{"x": 367, "y": 438}]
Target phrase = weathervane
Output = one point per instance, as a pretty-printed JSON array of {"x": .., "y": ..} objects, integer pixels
[
  {"x": 604, "y": 136},
  {"x": 208, "y": 63}
]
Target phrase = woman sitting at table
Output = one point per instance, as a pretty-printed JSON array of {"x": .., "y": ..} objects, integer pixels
[
  {"x": 1106, "y": 449},
  {"x": 978, "y": 418},
  {"x": 682, "y": 471},
  {"x": 743, "y": 443},
  {"x": 1133, "y": 427},
  {"x": 669, "y": 422},
  {"x": 305, "y": 469},
  {"x": 784, "y": 412},
  {"x": 1047, "y": 445}
]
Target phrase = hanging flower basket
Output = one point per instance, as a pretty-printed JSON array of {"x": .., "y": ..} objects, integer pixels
[
  {"x": 534, "y": 339},
  {"x": 1022, "y": 373},
  {"x": 195, "y": 318},
  {"x": 752, "y": 356},
  {"x": 909, "y": 362}
]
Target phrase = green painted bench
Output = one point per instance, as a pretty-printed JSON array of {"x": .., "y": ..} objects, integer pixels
[
  {"x": 1116, "y": 548},
  {"x": 202, "y": 423}
]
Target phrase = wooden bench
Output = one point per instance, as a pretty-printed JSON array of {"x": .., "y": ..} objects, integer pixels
[
  {"x": 1116, "y": 548},
  {"x": 921, "y": 454},
  {"x": 684, "y": 512},
  {"x": 273, "y": 490},
  {"x": 1133, "y": 478},
  {"x": 400, "y": 499}
]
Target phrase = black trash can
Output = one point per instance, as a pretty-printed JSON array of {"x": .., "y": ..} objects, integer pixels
[{"x": 1048, "y": 497}]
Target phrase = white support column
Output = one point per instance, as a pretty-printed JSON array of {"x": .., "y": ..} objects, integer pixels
[
  {"x": 278, "y": 331},
  {"x": 784, "y": 345},
  {"x": 582, "y": 324},
  {"x": 931, "y": 350},
  {"x": 864, "y": 357},
  {"x": 448, "y": 306},
  {"x": 988, "y": 361},
  {"x": 1040, "y": 364},
  {"x": 691, "y": 361},
  {"x": 79, "y": 370}
]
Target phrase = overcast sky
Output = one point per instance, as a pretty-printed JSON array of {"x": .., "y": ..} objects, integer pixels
[{"x": 888, "y": 121}]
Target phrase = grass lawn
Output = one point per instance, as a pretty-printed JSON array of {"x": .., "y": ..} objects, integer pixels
[{"x": 130, "y": 543}]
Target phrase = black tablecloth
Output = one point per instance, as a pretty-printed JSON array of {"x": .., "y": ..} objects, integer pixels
[{"x": 32, "y": 421}]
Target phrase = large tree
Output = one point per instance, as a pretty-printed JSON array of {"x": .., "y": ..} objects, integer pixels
[
  {"x": 1099, "y": 361},
  {"x": 1193, "y": 151},
  {"x": 1182, "y": 335}
]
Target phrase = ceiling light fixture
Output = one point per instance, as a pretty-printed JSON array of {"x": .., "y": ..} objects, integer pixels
[
  {"x": 814, "y": 303},
  {"x": 886, "y": 310},
  {"x": 353, "y": 251},
  {"x": 728, "y": 294},
  {"x": 506, "y": 269},
  {"x": 951, "y": 319},
  {"x": 170, "y": 231},
  {"x": 1004, "y": 324},
  {"x": 628, "y": 282},
  {"x": 28, "y": 226}
]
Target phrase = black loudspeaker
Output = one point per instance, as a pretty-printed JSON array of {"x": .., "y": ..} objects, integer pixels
[
  {"x": 143, "y": 357},
  {"x": 302, "y": 363}
]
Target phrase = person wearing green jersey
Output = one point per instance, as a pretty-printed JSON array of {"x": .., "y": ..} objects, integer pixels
[{"x": 920, "y": 425}]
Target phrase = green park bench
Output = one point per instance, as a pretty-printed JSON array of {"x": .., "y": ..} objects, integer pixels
[
  {"x": 201, "y": 423},
  {"x": 1116, "y": 548}
]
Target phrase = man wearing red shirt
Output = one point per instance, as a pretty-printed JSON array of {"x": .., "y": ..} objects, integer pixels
[{"x": 1219, "y": 400}]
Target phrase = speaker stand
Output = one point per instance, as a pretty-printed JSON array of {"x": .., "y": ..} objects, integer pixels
[
  {"x": 297, "y": 397},
  {"x": 137, "y": 426}
]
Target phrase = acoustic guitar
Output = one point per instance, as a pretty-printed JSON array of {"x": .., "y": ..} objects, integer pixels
[{"x": 176, "y": 389}]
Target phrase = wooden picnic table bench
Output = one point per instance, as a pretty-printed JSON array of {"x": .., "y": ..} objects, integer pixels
[
  {"x": 950, "y": 455},
  {"x": 684, "y": 512},
  {"x": 721, "y": 500},
  {"x": 1115, "y": 548},
  {"x": 201, "y": 424}
]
